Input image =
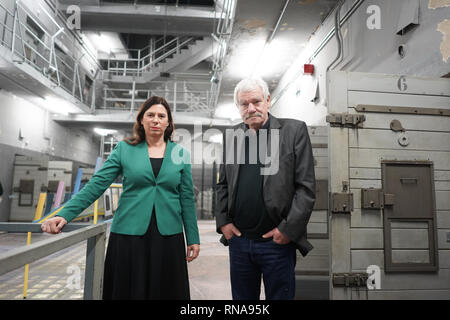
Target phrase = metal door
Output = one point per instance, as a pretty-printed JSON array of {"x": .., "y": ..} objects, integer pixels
[{"x": 389, "y": 146}]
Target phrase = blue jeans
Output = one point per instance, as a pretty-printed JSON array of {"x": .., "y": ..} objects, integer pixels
[{"x": 250, "y": 259}]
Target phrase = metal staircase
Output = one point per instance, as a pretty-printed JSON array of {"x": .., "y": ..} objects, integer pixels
[
  {"x": 183, "y": 96},
  {"x": 52, "y": 62},
  {"x": 147, "y": 64},
  {"x": 129, "y": 82}
]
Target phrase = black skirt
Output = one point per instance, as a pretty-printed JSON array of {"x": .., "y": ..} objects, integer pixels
[{"x": 151, "y": 266}]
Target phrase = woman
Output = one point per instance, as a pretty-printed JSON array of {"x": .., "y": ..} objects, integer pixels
[{"x": 145, "y": 258}]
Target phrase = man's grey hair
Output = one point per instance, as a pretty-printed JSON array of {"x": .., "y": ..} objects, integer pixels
[{"x": 250, "y": 84}]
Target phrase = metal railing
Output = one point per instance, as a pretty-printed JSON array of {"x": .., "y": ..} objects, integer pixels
[
  {"x": 179, "y": 95},
  {"x": 44, "y": 52},
  {"x": 72, "y": 234},
  {"x": 32, "y": 43},
  {"x": 146, "y": 59},
  {"x": 222, "y": 37}
]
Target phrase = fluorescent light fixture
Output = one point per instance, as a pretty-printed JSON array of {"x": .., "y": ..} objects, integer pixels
[
  {"x": 104, "y": 132},
  {"x": 216, "y": 138},
  {"x": 243, "y": 65},
  {"x": 273, "y": 58},
  {"x": 106, "y": 43},
  {"x": 260, "y": 59},
  {"x": 227, "y": 111},
  {"x": 58, "y": 105}
]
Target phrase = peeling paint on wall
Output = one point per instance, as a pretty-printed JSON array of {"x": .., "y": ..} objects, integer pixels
[
  {"x": 444, "y": 28},
  {"x": 434, "y": 4}
]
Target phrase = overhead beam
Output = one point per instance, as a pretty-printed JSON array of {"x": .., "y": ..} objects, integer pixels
[
  {"x": 147, "y": 19},
  {"x": 125, "y": 118},
  {"x": 147, "y": 10}
]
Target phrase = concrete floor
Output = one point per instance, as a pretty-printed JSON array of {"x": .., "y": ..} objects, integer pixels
[
  {"x": 55, "y": 277},
  {"x": 61, "y": 275},
  {"x": 49, "y": 278},
  {"x": 209, "y": 276}
]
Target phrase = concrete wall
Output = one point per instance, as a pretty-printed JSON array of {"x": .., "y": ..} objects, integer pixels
[
  {"x": 366, "y": 50},
  {"x": 41, "y": 136}
]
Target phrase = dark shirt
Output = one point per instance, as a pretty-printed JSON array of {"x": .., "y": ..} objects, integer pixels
[
  {"x": 156, "y": 165},
  {"x": 249, "y": 212}
]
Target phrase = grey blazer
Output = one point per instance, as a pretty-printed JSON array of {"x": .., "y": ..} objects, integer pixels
[{"x": 289, "y": 194}]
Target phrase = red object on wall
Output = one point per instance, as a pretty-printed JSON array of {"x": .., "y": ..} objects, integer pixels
[{"x": 308, "y": 69}]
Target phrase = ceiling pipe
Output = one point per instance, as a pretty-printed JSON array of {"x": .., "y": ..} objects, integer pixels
[
  {"x": 269, "y": 39},
  {"x": 337, "y": 27},
  {"x": 278, "y": 22},
  {"x": 319, "y": 48}
]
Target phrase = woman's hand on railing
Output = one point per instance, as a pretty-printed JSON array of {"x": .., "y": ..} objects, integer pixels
[{"x": 53, "y": 225}]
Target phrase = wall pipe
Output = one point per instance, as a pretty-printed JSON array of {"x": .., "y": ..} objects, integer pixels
[
  {"x": 337, "y": 28},
  {"x": 319, "y": 48}
]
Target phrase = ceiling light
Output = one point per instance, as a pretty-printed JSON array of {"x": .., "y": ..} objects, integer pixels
[
  {"x": 217, "y": 138},
  {"x": 272, "y": 59},
  {"x": 243, "y": 65},
  {"x": 227, "y": 111},
  {"x": 104, "y": 132},
  {"x": 58, "y": 105},
  {"x": 106, "y": 44}
]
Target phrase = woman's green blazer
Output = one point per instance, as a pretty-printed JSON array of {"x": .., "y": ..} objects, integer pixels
[{"x": 172, "y": 192}]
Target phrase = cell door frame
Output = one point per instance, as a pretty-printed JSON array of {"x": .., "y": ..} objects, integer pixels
[{"x": 338, "y": 86}]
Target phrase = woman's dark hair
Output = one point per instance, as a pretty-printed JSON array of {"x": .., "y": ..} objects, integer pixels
[{"x": 138, "y": 128}]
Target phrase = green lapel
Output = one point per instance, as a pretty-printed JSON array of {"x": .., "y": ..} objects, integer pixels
[
  {"x": 167, "y": 162},
  {"x": 143, "y": 154}
]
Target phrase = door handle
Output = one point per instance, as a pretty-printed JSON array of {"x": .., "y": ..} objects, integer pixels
[{"x": 408, "y": 180}]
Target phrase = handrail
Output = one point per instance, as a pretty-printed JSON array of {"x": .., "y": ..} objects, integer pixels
[
  {"x": 222, "y": 37},
  {"x": 144, "y": 62},
  {"x": 95, "y": 234},
  {"x": 174, "y": 40},
  {"x": 171, "y": 51},
  {"x": 196, "y": 100},
  {"x": 223, "y": 26},
  {"x": 53, "y": 5},
  {"x": 115, "y": 50}
]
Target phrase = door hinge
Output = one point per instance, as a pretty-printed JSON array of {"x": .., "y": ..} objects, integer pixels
[{"x": 346, "y": 120}]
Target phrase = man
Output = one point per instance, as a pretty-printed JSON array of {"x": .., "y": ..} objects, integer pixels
[{"x": 263, "y": 214}]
